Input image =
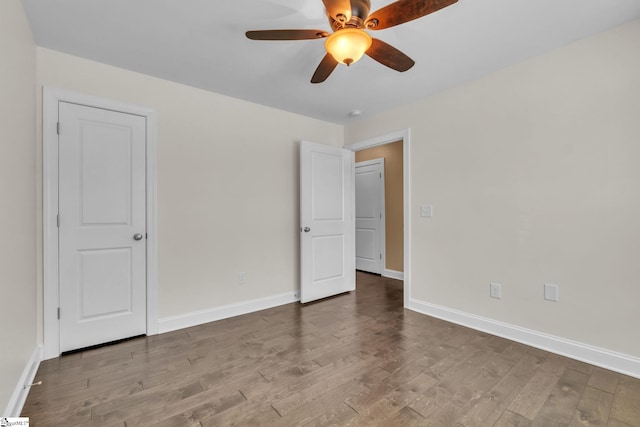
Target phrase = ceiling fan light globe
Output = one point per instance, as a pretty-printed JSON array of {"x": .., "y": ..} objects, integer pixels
[{"x": 348, "y": 45}]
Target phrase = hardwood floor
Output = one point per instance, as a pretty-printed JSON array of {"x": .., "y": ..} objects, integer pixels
[{"x": 358, "y": 359}]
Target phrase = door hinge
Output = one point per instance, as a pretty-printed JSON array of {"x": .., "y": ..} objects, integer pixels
[
  {"x": 58, "y": 313},
  {"x": 380, "y": 172},
  {"x": 58, "y": 128},
  {"x": 58, "y": 220},
  {"x": 380, "y": 256},
  {"x": 380, "y": 215}
]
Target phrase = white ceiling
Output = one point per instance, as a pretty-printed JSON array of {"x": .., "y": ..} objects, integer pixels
[{"x": 201, "y": 43}]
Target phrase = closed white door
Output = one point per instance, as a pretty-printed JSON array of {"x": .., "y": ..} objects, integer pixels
[
  {"x": 327, "y": 243},
  {"x": 369, "y": 216},
  {"x": 102, "y": 227}
]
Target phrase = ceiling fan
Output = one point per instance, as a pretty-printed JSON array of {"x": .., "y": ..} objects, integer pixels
[{"x": 349, "y": 41}]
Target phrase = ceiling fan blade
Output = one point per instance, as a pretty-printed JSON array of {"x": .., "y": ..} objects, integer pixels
[
  {"x": 286, "y": 34},
  {"x": 403, "y": 11},
  {"x": 390, "y": 56},
  {"x": 338, "y": 7},
  {"x": 324, "y": 70}
]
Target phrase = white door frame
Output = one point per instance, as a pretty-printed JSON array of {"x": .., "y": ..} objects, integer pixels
[
  {"x": 51, "y": 97},
  {"x": 405, "y": 136},
  {"x": 382, "y": 238}
]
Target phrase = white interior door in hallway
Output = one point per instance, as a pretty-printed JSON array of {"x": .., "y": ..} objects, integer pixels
[
  {"x": 327, "y": 242},
  {"x": 102, "y": 225},
  {"x": 370, "y": 216}
]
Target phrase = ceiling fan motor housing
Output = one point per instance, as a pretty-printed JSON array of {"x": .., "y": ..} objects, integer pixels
[{"x": 359, "y": 13}]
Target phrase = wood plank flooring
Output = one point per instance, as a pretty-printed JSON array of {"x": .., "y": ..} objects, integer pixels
[{"x": 358, "y": 359}]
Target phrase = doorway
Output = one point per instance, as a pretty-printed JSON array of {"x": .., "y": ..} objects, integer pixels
[
  {"x": 402, "y": 138},
  {"x": 100, "y": 273},
  {"x": 392, "y": 248},
  {"x": 370, "y": 215}
]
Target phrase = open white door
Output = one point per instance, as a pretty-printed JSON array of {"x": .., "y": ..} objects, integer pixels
[{"x": 327, "y": 227}]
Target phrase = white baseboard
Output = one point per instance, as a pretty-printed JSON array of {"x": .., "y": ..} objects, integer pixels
[
  {"x": 618, "y": 362},
  {"x": 19, "y": 396},
  {"x": 393, "y": 274},
  {"x": 181, "y": 321}
]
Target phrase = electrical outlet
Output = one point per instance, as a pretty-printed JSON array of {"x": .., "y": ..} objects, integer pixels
[
  {"x": 551, "y": 292},
  {"x": 242, "y": 278},
  {"x": 495, "y": 290}
]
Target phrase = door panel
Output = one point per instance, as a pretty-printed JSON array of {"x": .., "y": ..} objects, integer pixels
[
  {"x": 366, "y": 247},
  {"x": 105, "y": 174},
  {"x": 328, "y": 251},
  {"x": 327, "y": 186},
  {"x": 369, "y": 215},
  {"x": 326, "y": 199},
  {"x": 102, "y": 189},
  {"x": 105, "y": 285}
]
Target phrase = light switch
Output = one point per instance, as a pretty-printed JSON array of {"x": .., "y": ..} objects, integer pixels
[
  {"x": 495, "y": 290},
  {"x": 426, "y": 211}
]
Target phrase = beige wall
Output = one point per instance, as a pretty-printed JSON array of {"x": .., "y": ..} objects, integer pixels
[
  {"x": 534, "y": 175},
  {"x": 394, "y": 218},
  {"x": 227, "y": 183},
  {"x": 17, "y": 197}
]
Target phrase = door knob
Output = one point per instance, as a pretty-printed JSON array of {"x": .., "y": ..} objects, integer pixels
[
  {"x": 137, "y": 236},
  {"x": 307, "y": 229}
]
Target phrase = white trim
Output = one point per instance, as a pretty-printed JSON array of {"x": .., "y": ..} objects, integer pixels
[
  {"x": 187, "y": 320},
  {"x": 393, "y": 274},
  {"x": 405, "y": 136},
  {"x": 19, "y": 396},
  {"x": 50, "y": 99},
  {"x": 618, "y": 362},
  {"x": 152, "y": 223}
]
